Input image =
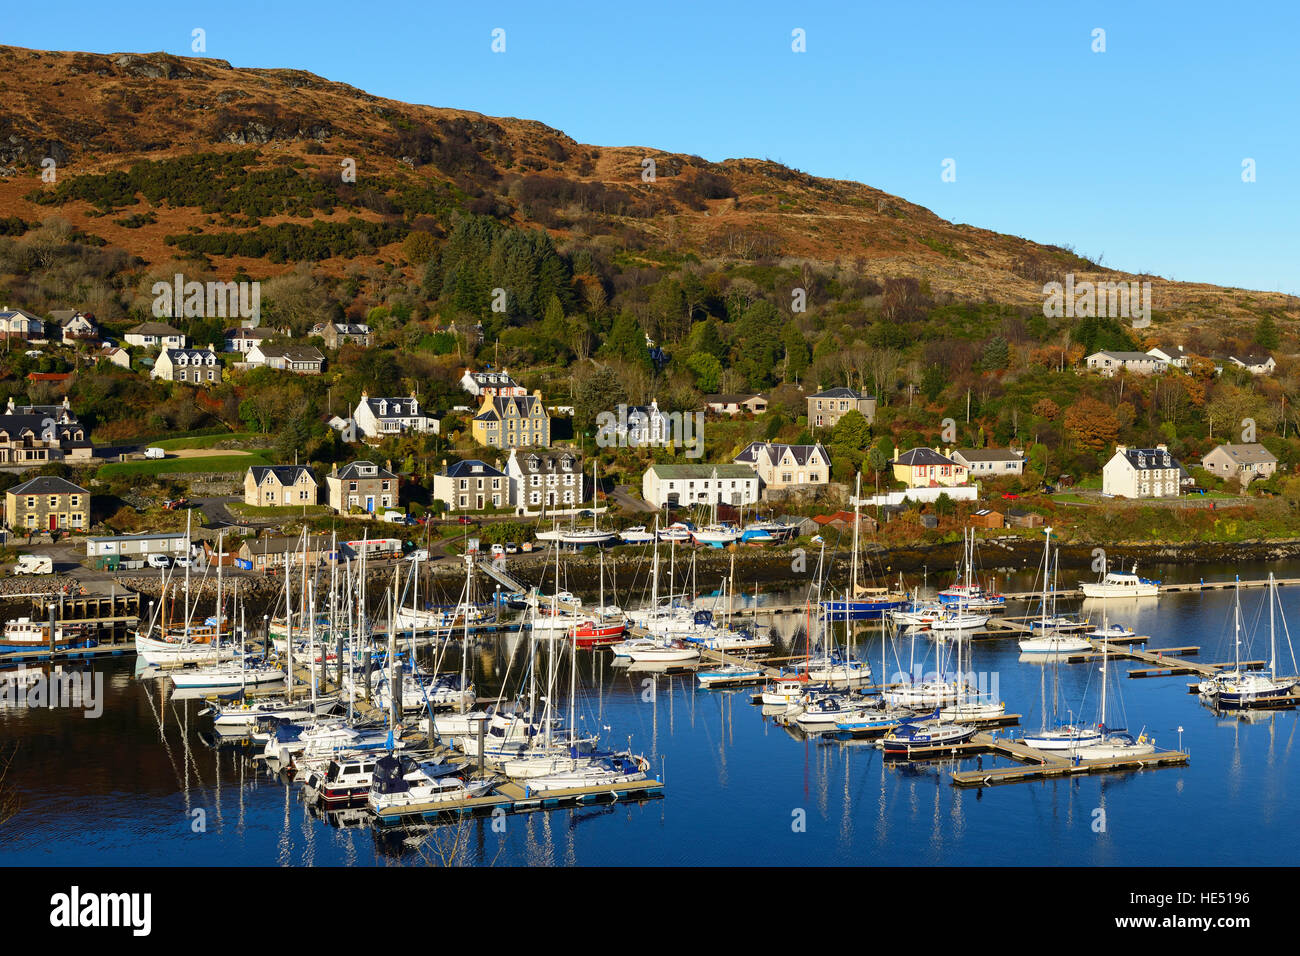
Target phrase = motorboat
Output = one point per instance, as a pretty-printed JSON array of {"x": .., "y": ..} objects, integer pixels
[
  {"x": 1120, "y": 584},
  {"x": 399, "y": 783},
  {"x": 637, "y": 534}
]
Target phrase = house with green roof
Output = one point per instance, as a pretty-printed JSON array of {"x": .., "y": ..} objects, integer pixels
[{"x": 688, "y": 485}]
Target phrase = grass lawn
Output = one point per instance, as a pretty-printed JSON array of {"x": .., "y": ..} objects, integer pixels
[
  {"x": 204, "y": 441},
  {"x": 166, "y": 466}
]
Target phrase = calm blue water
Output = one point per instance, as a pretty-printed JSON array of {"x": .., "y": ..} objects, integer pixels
[{"x": 120, "y": 790}]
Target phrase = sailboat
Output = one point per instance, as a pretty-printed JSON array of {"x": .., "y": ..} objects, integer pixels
[
  {"x": 1236, "y": 689},
  {"x": 862, "y": 603},
  {"x": 923, "y": 733},
  {"x": 1051, "y": 638},
  {"x": 1115, "y": 741},
  {"x": 1064, "y": 735},
  {"x": 713, "y": 534},
  {"x": 579, "y": 537}
]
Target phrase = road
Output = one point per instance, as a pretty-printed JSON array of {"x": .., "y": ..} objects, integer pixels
[{"x": 628, "y": 500}]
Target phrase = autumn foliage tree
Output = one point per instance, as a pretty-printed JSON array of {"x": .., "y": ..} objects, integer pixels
[{"x": 1091, "y": 424}]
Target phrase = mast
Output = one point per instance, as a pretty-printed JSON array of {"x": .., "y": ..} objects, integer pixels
[
  {"x": 853, "y": 591},
  {"x": 288, "y": 631}
]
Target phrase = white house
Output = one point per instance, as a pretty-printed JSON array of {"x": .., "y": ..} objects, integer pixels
[
  {"x": 117, "y": 355},
  {"x": 155, "y": 335},
  {"x": 545, "y": 477},
  {"x": 21, "y": 324},
  {"x": 76, "y": 325},
  {"x": 479, "y": 384},
  {"x": 688, "y": 485},
  {"x": 1140, "y": 363},
  {"x": 1256, "y": 364},
  {"x": 197, "y": 366},
  {"x": 990, "y": 462},
  {"x": 379, "y": 417},
  {"x": 645, "y": 426},
  {"x": 243, "y": 340},
  {"x": 1142, "y": 473},
  {"x": 1174, "y": 355},
  {"x": 301, "y": 359}
]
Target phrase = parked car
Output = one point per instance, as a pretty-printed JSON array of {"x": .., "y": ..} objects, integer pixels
[
  {"x": 161, "y": 561},
  {"x": 526, "y": 547},
  {"x": 512, "y": 548},
  {"x": 396, "y": 517},
  {"x": 498, "y": 551},
  {"x": 419, "y": 554},
  {"x": 184, "y": 562},
  {"x": 465, "y": 519}
]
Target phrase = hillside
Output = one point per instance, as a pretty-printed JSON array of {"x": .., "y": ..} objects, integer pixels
[{"x": 286, "y": 132}]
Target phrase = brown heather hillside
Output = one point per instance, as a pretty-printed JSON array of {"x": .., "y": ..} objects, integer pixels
[{"x": 96, "y": 114}]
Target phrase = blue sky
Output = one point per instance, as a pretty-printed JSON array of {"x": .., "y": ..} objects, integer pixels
[{"x": 1134, "y": 154}]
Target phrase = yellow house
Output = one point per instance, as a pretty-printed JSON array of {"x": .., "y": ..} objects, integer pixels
[
  {"x": 512, "y": 421},
  {"x": 46, "y": 503},
  {"x": 926, "y": 468},
  {"x": 279, "y": 485}
]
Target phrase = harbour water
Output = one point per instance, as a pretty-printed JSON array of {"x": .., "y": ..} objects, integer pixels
[{"x": 124, "y": 789}]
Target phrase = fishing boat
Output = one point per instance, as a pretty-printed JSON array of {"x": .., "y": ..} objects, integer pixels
[
  {"x": 1120, "y": 584},
  {"x": 24, "y": 634},
  {"x": 1238, "y": 689}
]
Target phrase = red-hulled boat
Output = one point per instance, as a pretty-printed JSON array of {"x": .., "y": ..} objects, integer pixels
[{"x": 599, "y": 633}]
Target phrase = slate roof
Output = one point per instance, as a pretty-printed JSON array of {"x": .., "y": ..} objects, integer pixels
[
  {"x": 285, "y": 474},
  {"x": 473, "y": 468},
  {"x": 922, "y": 456},
  {"x": 48, "y": 485}
]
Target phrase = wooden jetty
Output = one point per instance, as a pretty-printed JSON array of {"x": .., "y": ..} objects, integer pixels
[{"x": 1040, "y": 765}]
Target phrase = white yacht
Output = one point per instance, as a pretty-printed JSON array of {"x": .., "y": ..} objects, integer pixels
[{"x": 1120, "y": 584}]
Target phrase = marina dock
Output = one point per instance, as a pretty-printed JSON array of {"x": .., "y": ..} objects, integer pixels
[
  {"x": 1040, "y": 765},
  {"x": 513, "y": 797}
]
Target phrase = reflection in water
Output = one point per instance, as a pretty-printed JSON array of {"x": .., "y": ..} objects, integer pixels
[{"x": 151, "y": 759}]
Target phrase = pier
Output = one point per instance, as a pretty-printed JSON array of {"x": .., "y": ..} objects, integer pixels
[{"x": 1040, "y": 764}]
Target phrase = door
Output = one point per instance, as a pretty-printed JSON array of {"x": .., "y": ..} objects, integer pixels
[
  {"x": 370, "y": 503},
  {"x": 54, "y": 522}
]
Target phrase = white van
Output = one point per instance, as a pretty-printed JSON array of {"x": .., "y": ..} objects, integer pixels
[
  {"x": 154, "y": 452},
  {"x": 159, "y": 561}
]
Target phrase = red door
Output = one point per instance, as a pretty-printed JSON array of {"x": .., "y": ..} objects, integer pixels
[{"x": 54, "y": 522}]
